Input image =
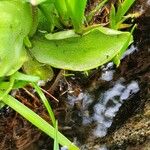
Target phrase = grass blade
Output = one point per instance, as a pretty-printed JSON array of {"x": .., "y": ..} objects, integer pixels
[
  {"x": 37, "y": 120},
  {"x": 24, "y": 77},
  {"x": 11, "y": 83},
  {"x": 123, "y": 8},
  {"x": 56, "y": 145},
  {"x": 18, "y": 84},
  {"x": 45, "y": 102}
]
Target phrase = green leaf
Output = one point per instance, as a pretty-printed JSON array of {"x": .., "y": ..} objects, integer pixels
[
  {"x": 117, "y": 58},
  {"x": 123, "y": 8},
  {"x": 15, "y": 25},
  {"x": 56, "y": 145},
  {"x": 11, "y": 84},
  {"x": 17, "y": 85},
  {"x": 94, "y": 48},
  {"x": 20, "y": 84},
  {"x": 37, "y": 120},
  {"x": 62, "y": 11},
  {"x": 1, "y": 105},
  {"x": 50, "y": 13},
  {"x": 112, "y": 17},
  {"x": 117, "y": 17},
  {"x": 33, "y": 67},
  {"x": 76, "y": 9},
  {"x": 61, "y": 35},
  {"x": 17, "y": 76},
  {"x": 24, "y": 77},
  {"x": 48, "y": 10}
]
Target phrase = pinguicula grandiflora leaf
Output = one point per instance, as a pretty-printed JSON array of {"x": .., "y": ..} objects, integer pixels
[
  {"x": 15, "y": 25},
  {"x": 94, "y": 48},
  {"x": 33, "y": 67}
]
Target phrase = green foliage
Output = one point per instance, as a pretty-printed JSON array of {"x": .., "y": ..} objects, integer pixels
[
  {"x": 64, "y": 10},
  {"x": 76, "y": 10},
  {"x": 16, "y": 76},
  {"x": 78, "y": 49},
  {"x": 37, "y": 120},
  {"x": 117, "y": 16},
  {"x": 117, "y": 58},
  {"x": 49, "y": 13},
  {"x": 29, "y": 114},
  {"x": 77, "y": 53},
  {"x": 23, "y": 77},
  {"x": 123, "y": 8},
  {"x": 45, "y": 102},
  {"x": 61, "y": 35},
  {"x": 56, "y": 146},
  {"x": 17, "y": 80},
  {"x": 61, "y": 7},
  {"x": 33, "y": 67},
  {"x": 112, "y": 17},
  {"x": 15, "y": 25},
  {"x": 116, "y": 21}
]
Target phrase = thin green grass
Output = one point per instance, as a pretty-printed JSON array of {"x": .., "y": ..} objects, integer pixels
[
  {"x": 56, "y": 145},
  {"x": 117, "y": 17},
  {"x": 45, "y": 102},
  {"x": 29, "y": 114},
  {"x": 37, "y": 121},
  {"x": 123, "y": 8}
]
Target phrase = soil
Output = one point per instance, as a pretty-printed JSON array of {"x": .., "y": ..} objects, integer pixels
[{"x": 78, "y": 97}]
